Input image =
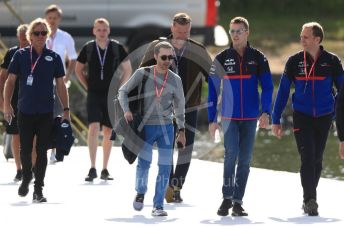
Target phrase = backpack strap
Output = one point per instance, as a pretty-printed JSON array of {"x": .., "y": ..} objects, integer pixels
[{"x": 142, "y": 90}]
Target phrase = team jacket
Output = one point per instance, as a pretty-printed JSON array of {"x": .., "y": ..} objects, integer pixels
[
  {"x": 314, "y": 94},
  {"x": 241, "y": 77}
]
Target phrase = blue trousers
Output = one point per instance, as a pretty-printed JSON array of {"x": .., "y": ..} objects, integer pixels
[
  {"x": 162, "y": 135},
  {"x": 239, "y": 137}
]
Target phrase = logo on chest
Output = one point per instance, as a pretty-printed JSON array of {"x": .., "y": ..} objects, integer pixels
[
  {"x": 230, "y": 69},
  {"x": 48, "y": 58},
  {"x": 301, "y": 68},
  {"x": 229, "y": 62}
]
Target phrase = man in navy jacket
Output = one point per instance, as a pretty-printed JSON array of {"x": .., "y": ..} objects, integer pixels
[
  {"x": 241, "y": 68},
  {"x": 313, "y": 71}
]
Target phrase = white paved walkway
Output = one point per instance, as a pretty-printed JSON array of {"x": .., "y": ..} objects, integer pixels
[{"x": 273, "y": 199}]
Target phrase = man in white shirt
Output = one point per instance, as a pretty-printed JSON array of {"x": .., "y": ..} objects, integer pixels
[{"x": 62, "y": 43}]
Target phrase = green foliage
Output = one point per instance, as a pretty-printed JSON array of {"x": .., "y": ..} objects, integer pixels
[
  {"x": 276, "y": 23},
  {"x": 275, "y": 154}
]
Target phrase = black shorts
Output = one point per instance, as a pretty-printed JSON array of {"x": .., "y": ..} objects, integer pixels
[
  {"x": 97, "y": 109},
  {"x": 13, "y": 127}
]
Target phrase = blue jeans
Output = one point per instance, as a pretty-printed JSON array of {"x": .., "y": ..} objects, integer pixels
[
  {"x": 239, "y": 138},
  {"x": 163, "y": 136}
]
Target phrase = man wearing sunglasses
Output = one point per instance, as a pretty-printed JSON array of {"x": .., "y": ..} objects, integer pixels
[
  {"x": 36, "y": 67},
  {"x": 242, "y": 69},
  {"x": 192, "y": 63},
  {"x": 163, "y": 97}
]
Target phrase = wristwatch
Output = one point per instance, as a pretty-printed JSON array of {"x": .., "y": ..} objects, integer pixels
[{"x": 66, "y": 109}]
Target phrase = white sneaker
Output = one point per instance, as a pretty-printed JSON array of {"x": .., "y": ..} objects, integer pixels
[
  {"x": 159, "y": 212},
  {"x": 52, "y": 157}
]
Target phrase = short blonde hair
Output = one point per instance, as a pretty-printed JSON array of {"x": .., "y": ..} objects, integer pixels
[
  {"x": 22, "y": 28},
  {"x": 317, "y": 29},
  {"x": 101, "y": 21},
  {"x": 53, "y": 8},
  {"x": 181, "y": 19},
  {"x": 240, "y": 20},
  {"x": 34, "y": 23}
]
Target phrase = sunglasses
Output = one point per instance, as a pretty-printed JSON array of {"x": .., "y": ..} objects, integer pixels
[
  {"x": 239, "y": 31},
  {"x": 165, "y": 57},
  {"x": 37, "y": 33}
]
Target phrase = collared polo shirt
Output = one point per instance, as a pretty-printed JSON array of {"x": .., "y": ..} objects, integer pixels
[
  {"x": 37, "y": 98},
  {"x": 63, "y": 44}
]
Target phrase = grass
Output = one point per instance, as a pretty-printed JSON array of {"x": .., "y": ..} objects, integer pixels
[{"x": 275, "y": 25}]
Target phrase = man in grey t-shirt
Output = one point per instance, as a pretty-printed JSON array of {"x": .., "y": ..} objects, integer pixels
[{"x": 163, "y": 97}]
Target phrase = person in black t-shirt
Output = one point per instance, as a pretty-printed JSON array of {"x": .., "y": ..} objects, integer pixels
[
  {"x": 12, "y": 128},
  {"x": 103, "y": 57}
]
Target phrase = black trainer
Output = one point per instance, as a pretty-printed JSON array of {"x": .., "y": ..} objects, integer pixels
[
  {"x": 91, "y": 175},
  {"x": 19, "y": 176},
  {"x": 38, "y": 197},
  {"x": 311, "y": 207},
  {"x": 176, "y": 197},
  {"x": 24, "y": 187},
  {"x": 138, "y": 202},
  {"x": 238, "y": 210},
  {"x": 225, "y": 206},
  {"x": 105, "y": 175}
]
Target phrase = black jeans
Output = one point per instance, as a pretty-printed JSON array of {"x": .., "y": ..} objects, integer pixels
[
  {"x": 29, "y": 126},
  {"x": 177, "y": 178},
  {"x": 311, "y": 135}
]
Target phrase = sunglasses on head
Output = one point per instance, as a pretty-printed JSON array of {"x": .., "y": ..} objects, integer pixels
[
  {"x": 37, "y": 33},
  {"x": 165, "y": 57}
]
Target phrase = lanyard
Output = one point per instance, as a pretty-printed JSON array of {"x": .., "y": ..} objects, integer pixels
[
  {"x": 102, "y": 60},
  {"x": 157, "y": 93},
  {"x": 50, "y": 41},
  {"x": 312, "y": 67},
  {"x": 176, "y": 59},
  {"x": 33, "y": 65}
]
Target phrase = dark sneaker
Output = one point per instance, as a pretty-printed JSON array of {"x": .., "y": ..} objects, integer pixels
[
  {"x": 91, "y": 175},
  {"x": 238, "y": 210},
  {"x": 138, "y": 202},
  {"x": 105, "y": 175},
  {"x": 159, "y": 211},
  {"x": 169, "y": 194},
  {"x": 38, "y": 197},
  {"x": 24, "y": 188},
  {"x": 176, "y": 197},
  {"x": 59, "y": 156},
  {"x": 19, "y": 176},
  {"x": 225, "y": 206},
  {"x": 311, "y": 208}
]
